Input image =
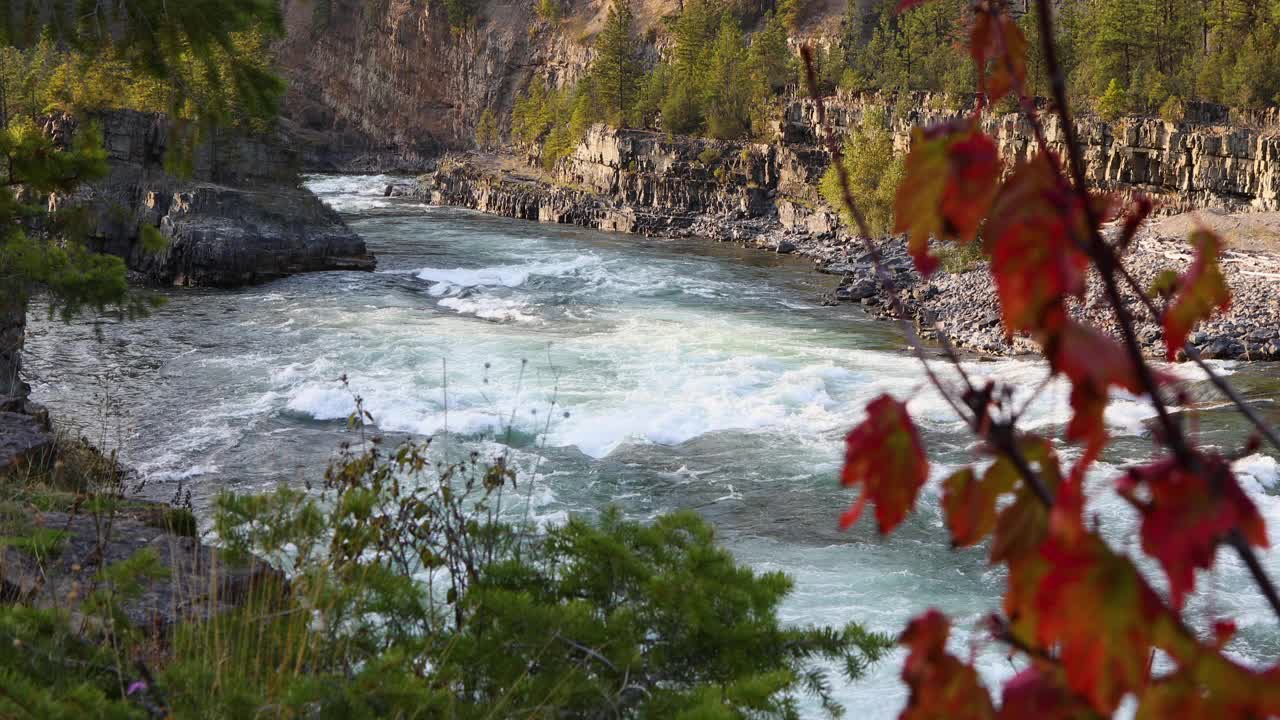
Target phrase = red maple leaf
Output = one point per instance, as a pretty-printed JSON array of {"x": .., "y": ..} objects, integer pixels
[
  {"x": 1040, "y": 693},
  {"x": 1093, "y": 363},
  {"x": 1034, "y": 261},
  {"x": 951, "y": 175},
  {"x": 1202, "y": 289},
  {"x": 969, "y": 503},
  {"x": 941, "y": 685},
  {"x": 1188, "y": 514},
  {"x": 1097, "y": 609},
  {"x": 885, "y": 456},
  {"x": 997, "y": 39}
]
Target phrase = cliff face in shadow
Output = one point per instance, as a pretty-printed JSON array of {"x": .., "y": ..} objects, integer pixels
[{"x": 384, "y": 85}]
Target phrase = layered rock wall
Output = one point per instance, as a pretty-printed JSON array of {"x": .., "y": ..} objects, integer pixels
[{"x": 1201, "y": 162}]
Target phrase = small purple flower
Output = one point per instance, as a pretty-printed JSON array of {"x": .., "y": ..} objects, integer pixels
[{"x": 136, "y": 687}]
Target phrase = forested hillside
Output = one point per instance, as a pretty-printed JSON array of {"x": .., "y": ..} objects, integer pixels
[{"x": 404, "y": 78}]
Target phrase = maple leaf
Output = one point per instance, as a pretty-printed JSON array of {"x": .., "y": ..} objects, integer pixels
[
  {"x": 1237, "y": 694},
  {"x": 1094, "y": 363},
  {"x": 885, "y": 456},
  {"x": 1033, "y": 259},
  {"x": 950, "y": 181},
  {"x": 1202, "y": 289},
  {"x": 997, "y": 39},
  {"x": 1188, "y": 514},
  {"x": 1021, "y": 529},
  {"x": 1040, "y": 693},
  {"x": 905, "y": 5},
  {"x": 970, "y": 504},
  {"x": 1095, "y": 606},
  {"x": 941, "y": 685}
]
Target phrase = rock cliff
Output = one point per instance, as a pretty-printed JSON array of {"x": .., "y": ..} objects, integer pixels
[
  {"x": 385, "y": 85},
  {"x": 1203, "y": 161},
  {"x": 240, "y": 217}
]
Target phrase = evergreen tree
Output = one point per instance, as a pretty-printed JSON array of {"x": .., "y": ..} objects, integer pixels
[
  {"x": 771, "y": 56},
  {"x": 1113, "y": 102},
  {"x": 727, "y": 93},
  {"x": 616, "y": 69}
]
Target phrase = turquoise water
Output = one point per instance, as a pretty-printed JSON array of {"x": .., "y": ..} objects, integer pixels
[{"x": 693, "y": 375}]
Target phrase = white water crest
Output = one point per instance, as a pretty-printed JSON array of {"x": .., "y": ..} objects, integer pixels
[{"x": 652, "y": 375}]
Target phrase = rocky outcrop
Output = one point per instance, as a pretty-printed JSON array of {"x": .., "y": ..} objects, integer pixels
[
  {"x": 239, "y": 217},
  {"x": 386, "y": 85},
  {"x": 196, "y": 582},
  {"x": 1201, "y": 162},
  {"x": 653, "y": 184}
]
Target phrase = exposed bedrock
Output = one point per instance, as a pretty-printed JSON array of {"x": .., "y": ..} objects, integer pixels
[{"x": 240, "y": 217}]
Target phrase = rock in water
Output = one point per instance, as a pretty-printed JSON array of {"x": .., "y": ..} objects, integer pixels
[{"x": 241, "y": 217}]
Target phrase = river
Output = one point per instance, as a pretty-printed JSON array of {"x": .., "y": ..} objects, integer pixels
[{"x": 650, "y": 374}]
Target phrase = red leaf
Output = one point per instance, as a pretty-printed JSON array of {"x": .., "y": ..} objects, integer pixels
[
  {"x": 1202, "y": 290},
  {"x": 997, "y": 39},
  {"x": 1134, "y": 216},
  {"x": 1041, "y": 694},
  {"x": 905, "y": 5},
  {"x": 886, "y": 457},
  {"x": 1189, "y": 514},
  {"x": 1223, "y": 631},
  {"x": 1034, "y": 262},
  {"x": 970, "y": 504},
  {"x": 1098, "y": 610},
  {"x": 1238, "y": 694},
  {"x": 951, "y": 176},
  {"x": 1020, "y": 531},
  {"x": 1093, "y": 363},
  {"x": 941, "y": 685}
]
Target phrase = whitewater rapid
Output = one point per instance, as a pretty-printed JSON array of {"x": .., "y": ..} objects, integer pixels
[{"x": 653, "y": 375}]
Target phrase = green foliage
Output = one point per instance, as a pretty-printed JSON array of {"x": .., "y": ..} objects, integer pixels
[
  {"x": 39, "y": 543},
  {"x": 409, "y": 597},
  {"x": 1221, "y": 51},
  {"x": 726, "y": 94},
  {"x": 550, "y": 10},
  {"x": 202, "y": 61},
  {"x": 709, "y": 155},
  {"x": 488, "y": 136},
  {"x": 875, "y": 172},
  {"x": 914, "y": 50},
  {"x": 1113, "y": 102},
  {"x": 615, "y": 73},
  {"x": 459, "y": 13},
  {"x": 1172, "y": 110}
]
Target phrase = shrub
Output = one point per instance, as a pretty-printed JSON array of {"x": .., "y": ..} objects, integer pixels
[
  {"x": 1113, "y": 102},
  {"x": 709, "y": 156},
  {"x": 410, "y": 597},
  {"x": 1172, "y": 110},
  {"x": 874, "y": 173}
]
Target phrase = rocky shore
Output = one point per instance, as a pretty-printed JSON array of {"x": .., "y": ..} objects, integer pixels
[{"x": 964, "y": 303}]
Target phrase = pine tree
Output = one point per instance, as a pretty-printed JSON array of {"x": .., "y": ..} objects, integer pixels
[
  {"x": 770, "y": 54},
  {"x": 616, "y": 69},
  {"x": 727, "y": 95},
  {"x": 1113, "y": 103}
]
